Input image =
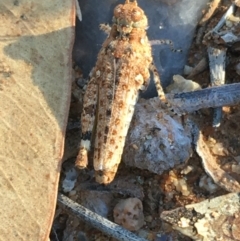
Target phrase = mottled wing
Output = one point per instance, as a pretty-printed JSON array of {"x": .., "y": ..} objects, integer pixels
[{"x": 118, "y": 93}]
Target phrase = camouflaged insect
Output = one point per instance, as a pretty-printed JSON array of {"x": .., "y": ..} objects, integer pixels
[{"x": 121, "y": 71}]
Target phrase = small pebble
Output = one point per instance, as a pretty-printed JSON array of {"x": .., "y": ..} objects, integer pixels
[
  {"x": 134, "y": 146},
  {"x": 187, "y": 170},
  {"x": 187, "y": 69},
  {"x": 149, "y": 218},
  {"x": 142, "y": 233},
  {"x": 236, "y": 168},
  {"x": 72, "y": 193},
  {"x": 237, "y": 158},
  {"x": 207, "y": 184},
  {"x": 229, "y": 23},
  {"x": 218, "y": 149}
]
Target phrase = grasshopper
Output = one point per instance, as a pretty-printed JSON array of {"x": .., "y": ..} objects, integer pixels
[{"x": 122, "y": 70}]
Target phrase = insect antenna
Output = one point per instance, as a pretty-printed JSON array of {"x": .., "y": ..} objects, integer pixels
[{"x": 167, "y": 42}]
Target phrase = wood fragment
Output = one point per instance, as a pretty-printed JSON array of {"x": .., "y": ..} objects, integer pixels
[
  {"x": 97, "y": 221},
  {"x": 209, "y": 161},
  {"x": 212, "y": 7},
  {"x": 217, "y": 64},
  {"x": 200, "y": 67},
  {"x": 213, "y": 33},
  {"x": 236, "y": 2},
  {"x": 225, "y": 95},
  {"x": 222, "y": 21},
  {"x": 210, "y": 220},
  {"x": 212, "y": 168}
]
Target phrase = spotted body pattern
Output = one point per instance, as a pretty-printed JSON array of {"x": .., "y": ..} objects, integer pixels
[{"x": 121, "y": 71}]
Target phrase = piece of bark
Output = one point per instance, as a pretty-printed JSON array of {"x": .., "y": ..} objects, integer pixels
[
  {"x": 212, "y": 7},
  {"x": 210, "y": 164},
  {"x": 213, "y": 219},
  {"x": 35, "y": 80}
]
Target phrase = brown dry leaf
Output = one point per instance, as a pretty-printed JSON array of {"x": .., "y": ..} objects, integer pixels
[{"x": 36, "y": 39}]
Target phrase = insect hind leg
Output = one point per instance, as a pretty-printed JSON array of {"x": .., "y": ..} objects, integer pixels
[
  {"x": 88, "y": 121},
  {"x": 160, "y": 91},
  {"x": 157, "y": 82}
]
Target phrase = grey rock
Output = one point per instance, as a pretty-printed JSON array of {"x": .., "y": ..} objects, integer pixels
[{"x": 156, "y": 141}]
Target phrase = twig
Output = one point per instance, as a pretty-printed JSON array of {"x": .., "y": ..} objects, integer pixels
[
  {"x": 224, "y": 18},
  {"x": 213, "y": 6},
  {"x": 225, "y": 95},
  {"x": 217, "y": 63},
  {"x": 221, "y": 22},
  {"x": 200, "y": 67},
  {"x": 97, "y": 221}
]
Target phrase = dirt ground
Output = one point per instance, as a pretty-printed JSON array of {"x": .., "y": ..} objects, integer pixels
[{"x": 157, "y": 192}]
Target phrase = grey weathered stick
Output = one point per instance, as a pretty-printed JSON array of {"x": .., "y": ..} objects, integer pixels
[
  {"x": 217, "y": 63},
  {"x": 225, "y": 95},
  {"x": 97, "y": 221},
  {"x": 222, "y": 21},
  {"x": 224, "y": 18}
]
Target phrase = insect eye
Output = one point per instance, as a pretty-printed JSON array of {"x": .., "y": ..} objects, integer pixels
[
  {"x": 136, "y": 14},
  {"x": 118, "y": 10}
]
